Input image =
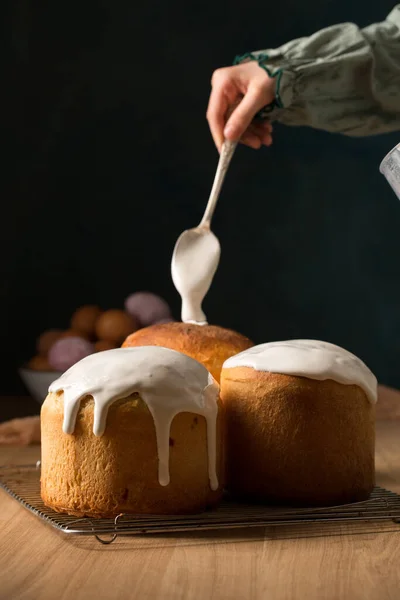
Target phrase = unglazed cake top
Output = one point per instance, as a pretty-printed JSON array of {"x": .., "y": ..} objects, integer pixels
[
  {"x": 308, "y": 358},
  {"x": 168, "y": 382}
]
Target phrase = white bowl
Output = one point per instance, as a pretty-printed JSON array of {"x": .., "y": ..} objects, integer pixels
[{"x": 38, "y": 382}]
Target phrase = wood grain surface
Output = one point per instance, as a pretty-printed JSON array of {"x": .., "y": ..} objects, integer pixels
[{"x": 350, "y": 562}]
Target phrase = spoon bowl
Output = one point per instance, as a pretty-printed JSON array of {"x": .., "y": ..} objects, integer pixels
[
  {"x": 196, "y": 255},
  {"x": 194, "y": 263}
]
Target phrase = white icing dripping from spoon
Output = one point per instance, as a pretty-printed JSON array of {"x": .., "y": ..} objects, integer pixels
[{"x": 197, "y": 252}]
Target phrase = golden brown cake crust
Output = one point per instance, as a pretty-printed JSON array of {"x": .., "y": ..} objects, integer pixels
[
  {"x": 294, "y": 440},
  {"x": 209, "y": 344},
  {"x": 117, "y": 472}
]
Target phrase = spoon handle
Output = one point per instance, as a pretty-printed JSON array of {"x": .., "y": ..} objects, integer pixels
[{"x": 227, "y": 151}]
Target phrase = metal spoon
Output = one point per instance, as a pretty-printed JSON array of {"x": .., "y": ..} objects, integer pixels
[{"x": 196, "y": 254}]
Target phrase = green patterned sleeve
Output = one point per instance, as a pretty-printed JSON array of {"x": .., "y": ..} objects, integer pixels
[{"x": 342, "y": 79}]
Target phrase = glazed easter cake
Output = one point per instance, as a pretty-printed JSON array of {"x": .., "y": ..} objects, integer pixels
[
  {"x": 134, "y": 430},
  {"x": 141, "y": 430},
  {"x": 300, "y": 424}
]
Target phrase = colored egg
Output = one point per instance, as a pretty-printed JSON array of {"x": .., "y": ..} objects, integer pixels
[
  {"x": 46, "y": 340},
  {"x": 161, "y": 321},
  {"x": 147, "y": 308},
  {"x": 115, "y": 325},
  {"x": 84, "y": 319},
  {"x": 39, "y": 363},
  {"x": 68, "y": 333},
  {"x": 102, "y": 345},
  {"x": 68, "y": 351}
]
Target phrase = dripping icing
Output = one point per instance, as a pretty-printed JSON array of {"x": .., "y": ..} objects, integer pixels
[
  {"x": 308, "y": 358},
  {"x": 168, "y": 382},
  {"x": 194, "y": 263}
]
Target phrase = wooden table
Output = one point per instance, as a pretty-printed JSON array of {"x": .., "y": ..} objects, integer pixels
[{"x": 38, "y": 563}]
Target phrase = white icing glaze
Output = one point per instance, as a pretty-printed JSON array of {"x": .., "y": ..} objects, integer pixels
[
  {"x": 308, "y": 358},
  {"x": 167, "y": 381},
  {"x": 194, "y": 263}
]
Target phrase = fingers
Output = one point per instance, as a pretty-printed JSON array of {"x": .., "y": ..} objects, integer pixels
[
  {"x": 217, "y": 108},
  {"x": 257, "y": 135},
  {"x": 225, "y": 101},
  {"x": 251, "y": 140},
  {"x": 263, "y": 131},
  {"x": 243, "y": 115},
  {"x": 238, "y": 93}
]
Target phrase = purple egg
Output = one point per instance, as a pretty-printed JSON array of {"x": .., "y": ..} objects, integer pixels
[
  {"x": 147, "y": 308},
  {"x": 162, "y": 321},
  {"x": 68, "y": 351}
]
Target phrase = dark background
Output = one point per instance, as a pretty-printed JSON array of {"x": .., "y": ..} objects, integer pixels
[{"x": 113, "y": 159}]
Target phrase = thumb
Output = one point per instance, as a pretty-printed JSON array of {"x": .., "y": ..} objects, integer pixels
[{"x": 245, "y": 112}]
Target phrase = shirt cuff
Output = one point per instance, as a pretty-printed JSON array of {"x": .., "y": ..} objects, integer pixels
[{"x": 284, "y": 80}]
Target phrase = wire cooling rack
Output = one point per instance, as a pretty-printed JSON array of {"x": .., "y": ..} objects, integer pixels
[{"x": 23, "y": 484}]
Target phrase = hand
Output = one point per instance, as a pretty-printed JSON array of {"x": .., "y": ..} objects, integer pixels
[
  {"x": 20, "y": 432},
  {"x": 238, "y": 94}
]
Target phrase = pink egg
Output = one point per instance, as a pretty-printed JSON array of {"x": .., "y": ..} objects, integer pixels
[
  {"x": 68, "y": 351},
  {"x": 147, "y": 308}
]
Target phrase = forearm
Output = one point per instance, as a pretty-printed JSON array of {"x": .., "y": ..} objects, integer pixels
[{"x": 341, "y": 79}]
